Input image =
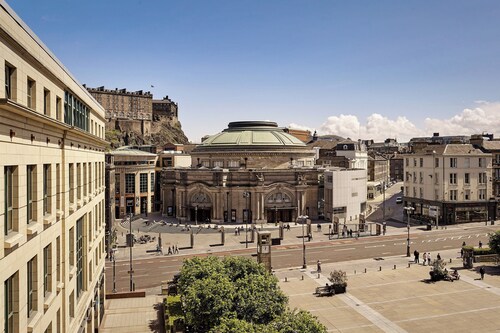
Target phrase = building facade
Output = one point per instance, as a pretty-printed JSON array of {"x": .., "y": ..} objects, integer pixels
[
  {"x": 51, "y": 190},
  {"x": 251, "y": 172},
  {"x": 450, "y": 183},
  {"x": 134, "y": 181},
  {"x": 345, "y": 194}
]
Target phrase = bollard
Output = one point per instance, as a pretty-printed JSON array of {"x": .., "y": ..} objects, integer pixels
[
  {"x": 355, "y": 272},
  {"x": 380, "y": 268},
  {"x": 394, "y": 266},
  {"x": 302, "y": 277},
  {"x": 286, "y": 280},
  {"x": 408, "y": 265},
  {"x": 365, "y": 270},
  {"x": 318, "y": 275},
  {"x": 450, "y": 260}
]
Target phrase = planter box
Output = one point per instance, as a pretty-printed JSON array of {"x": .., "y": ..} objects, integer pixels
[{"x": 339, "y": 289}]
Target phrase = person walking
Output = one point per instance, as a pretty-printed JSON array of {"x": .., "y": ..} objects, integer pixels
[
  {"x": 438, "y": 257},
  {"x": 480, "y": 244},
  {"x": 418, "y": 257},
  {"x": 429, "y": 258},
  {"x": 481, "y": 271},
  {"x": 425, "y": 258},
  {"x": 169, "y": 250},
  {"x": 176, "y": 250},
  {"x": 318, "y": 266},
  {"x": 415, "y": 256}
]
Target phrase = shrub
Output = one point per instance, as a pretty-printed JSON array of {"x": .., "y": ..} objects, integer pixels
[{"x": 338, "y": 278}]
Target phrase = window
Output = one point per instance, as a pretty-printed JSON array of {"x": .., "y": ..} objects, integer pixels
[
  {"x": 47, "y": 268},
  {"x": 421, "y": 162},
  {"x": 436, "y": 194},
  {"x": 11, "y": 295},
  {"x": 129, "y": 183},
  {"x": 72, "y": 305},
  {"x": 30, "y": 95},
  {"x": 152, "y": 181},
  {"x": 31, "y": 286},
  {"x": 167, "y": 162},
  {"x": 84, "y": 179},
  {"x": 71, "y": 183},
  {"x": 407, "y": 161},
  {"x": 117, "y": 183},
  {"x": 453, "y": 195},
  {"x": 218, "y": 164},
  {"x": 453, "y": 162},
  {"x": 30, "y": 192},
  {"x": 421, "y": 193},
  {"x": 58, "y": 258},
  {"x": 482, "y": 194},
  {"x": 467, "y": 178},
  {"x": 421, "y": 177},
  {"x": 9, "y": 81},
  {"x": 58, "y": 108},
  {"x": 482, "y": 162},
  {"x": 143, "y": 182},
  {"x": 436, "y": 162},
  {"x": 205, "y": 164},
  {"x": 436, "y": 178},
  {"x": 58, "y": 186},
  {"x": 453, "y": 178},
  {"x": 76, "y": 113},
  {"x": 234, "y": 164},
  {"x": 482, "y": 178},
  {"x": 8, "y": 174},
  {"x": 467, "y": 195},
  {"x": 91, "y": 190},
  {"x": 79, "y": 257},
  {"x": 414, "y": 177},
  {"x": 46, "y": 102},
  {"x": 414, "y": 162},
  {"x": 46, "y": 189},
  {"x": 72, "y": 247},
  {"x": 78, "y": 181}
]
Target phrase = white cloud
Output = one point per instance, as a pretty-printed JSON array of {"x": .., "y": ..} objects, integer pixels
[{"x": 484, "y": 117}]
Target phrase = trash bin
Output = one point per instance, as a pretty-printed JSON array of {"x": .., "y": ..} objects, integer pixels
[{"x": 429, "y": 226}]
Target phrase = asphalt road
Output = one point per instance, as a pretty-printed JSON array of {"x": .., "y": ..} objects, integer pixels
[{"x": 149, "y": 272}]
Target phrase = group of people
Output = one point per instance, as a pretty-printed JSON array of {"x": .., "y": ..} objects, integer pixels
[
  {"x": 171, "y": 249},
  {"x": 427, "y": 258}
]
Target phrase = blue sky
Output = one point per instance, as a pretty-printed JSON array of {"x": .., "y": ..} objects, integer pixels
[{"x": 364, "y": 69}]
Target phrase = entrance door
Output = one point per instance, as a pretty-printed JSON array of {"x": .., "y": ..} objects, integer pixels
[{"x": 202, "y": 215}]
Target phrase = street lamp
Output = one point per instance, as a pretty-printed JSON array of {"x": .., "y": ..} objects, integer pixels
[
  {"x": 246, "y": 195},
  {"x": 131, "y": 272},
  {"x": 114, "y": 271},
  {"x": 409, "y": 210},
  {"x": 303, "y": 218},
  {"x": 196, "y": 214}
]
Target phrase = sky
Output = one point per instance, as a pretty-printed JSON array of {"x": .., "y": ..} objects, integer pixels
[{"x": 363, "y": 69}]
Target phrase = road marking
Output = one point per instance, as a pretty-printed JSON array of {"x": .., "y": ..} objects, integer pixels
[
  {"x": 371, "y": 246},
  {"x": 346, "y": 249},
  {"x": 386, "y": 253},
  {"x": 447, "y": 246},
  {"x": 281, "y": 255}
]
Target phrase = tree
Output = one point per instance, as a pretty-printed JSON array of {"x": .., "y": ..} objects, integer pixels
[
  {"x": 213, "y": 289},
  {"x": 233, "y": 325},
  {"x": 495, "y": 242},
  {"x": 297, "y": 321}
]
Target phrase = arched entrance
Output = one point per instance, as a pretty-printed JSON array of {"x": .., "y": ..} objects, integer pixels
[
  {"x": 279, "y": 207},
  {"x": 200, "y": 208}
]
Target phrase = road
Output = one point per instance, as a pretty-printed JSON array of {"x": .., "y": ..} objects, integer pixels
[{"x": 149, "y": 272}]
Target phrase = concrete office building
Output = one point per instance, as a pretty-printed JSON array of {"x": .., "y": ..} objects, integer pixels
[{"x": 51, "y": 190}]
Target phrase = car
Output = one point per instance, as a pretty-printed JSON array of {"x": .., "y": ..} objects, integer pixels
[{"x": 399, "y": 200}]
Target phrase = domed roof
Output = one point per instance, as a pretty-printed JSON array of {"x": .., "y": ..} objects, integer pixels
[{"x": 239, "y": 134}]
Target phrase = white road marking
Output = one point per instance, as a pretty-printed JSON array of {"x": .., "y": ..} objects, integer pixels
[
  {"x": 346, "y": 249},
  {"x": 368, "y": 247}
]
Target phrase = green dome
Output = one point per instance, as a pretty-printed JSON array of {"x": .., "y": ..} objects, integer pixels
[{"x": 252, "y": 134}]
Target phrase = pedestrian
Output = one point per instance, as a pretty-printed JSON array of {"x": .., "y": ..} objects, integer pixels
[
  {"x": 463, "y": 244},
  {"x": 418, "y": 257},
  {"x": 236, "y": 231},
  {"x": 350, "y": 233},
  {"x": 288, "y": 226},
  {"x": 481, "y": 271},
  {"x": 425, "y": 258},
  {"x": 438, "y": 257},
  {"x": 480, "y": 245},
  {"x": 429, "y": 258},
  {"x": 461, "y": 253},
  {"x": 176, "y": 249},
  {"x": 415, "y": 256},
  {"x": 318, "y": 264},
  {"x": 169, "y": 250}
]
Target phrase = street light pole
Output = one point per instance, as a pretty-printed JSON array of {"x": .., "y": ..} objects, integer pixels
[
  {"x": 130, "y": 247},
  {"x": 304, "y": 264},
  {"x": 408, "y": 212},
  {"x": 114, "y": 274},
  {"x": 246, "y": 195}
]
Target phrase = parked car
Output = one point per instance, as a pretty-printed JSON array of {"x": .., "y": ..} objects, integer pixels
[{"x": 399, "y": 200}]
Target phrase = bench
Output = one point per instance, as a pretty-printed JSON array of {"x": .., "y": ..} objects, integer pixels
[{"x": 324, "y": 291}]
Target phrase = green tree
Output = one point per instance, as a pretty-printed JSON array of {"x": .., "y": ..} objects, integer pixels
[
  {"x": 233, "y": 325},
  {"x": 495, "y": 242},
  {"x": 297, "y": 321}
]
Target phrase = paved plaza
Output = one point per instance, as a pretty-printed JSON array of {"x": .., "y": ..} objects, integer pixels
[{"x": 385, "y": 299}]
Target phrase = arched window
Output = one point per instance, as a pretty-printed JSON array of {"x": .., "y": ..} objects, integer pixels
[{"x": 278, "y": 197}]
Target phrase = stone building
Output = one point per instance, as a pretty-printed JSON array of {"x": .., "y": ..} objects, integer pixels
[
  {"x": 134, "y": 171},
  {"x": 450, "y": 183},
  {"x": 164, "y": 108},
  {"x": 51, "y": 190},
  {"x": 253, "y": 171}
]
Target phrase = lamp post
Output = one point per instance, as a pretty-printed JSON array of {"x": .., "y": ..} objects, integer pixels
[
  {"x": 408, "y": 212},
  {"x": 131, "y": 271},
  {"x": 246, "y": 195},
  {"x": 114, "y": 272},
  {"x": 304, "y": 264},
  {"x": 196, "y": 214}
]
